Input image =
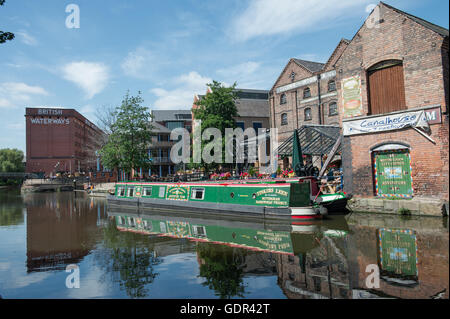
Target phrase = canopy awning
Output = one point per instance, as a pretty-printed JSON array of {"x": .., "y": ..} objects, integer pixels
[{"x": 314, "y": 140}]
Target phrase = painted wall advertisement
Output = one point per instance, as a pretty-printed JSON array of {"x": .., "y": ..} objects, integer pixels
[
  {"x": 351, "y": 96},
  {"x": 393, "y": 174}
]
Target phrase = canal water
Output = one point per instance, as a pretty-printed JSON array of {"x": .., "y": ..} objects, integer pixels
[{"x": 68, "y": 245}]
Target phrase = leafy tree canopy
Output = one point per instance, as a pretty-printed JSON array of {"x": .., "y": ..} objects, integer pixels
[
  {"x": 11, "y": 160},
  {"x": 217, "y": 109},
  {"x": 5, "y": 36},
  {"x": 130, "y": 136}
]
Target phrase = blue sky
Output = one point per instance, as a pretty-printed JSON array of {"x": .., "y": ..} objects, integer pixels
[{"x": 168, "y": 50}]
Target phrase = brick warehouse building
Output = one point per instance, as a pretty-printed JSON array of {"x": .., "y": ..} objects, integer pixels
[
  {"x": 305, "y": 93},
  {"x": 60, "y": 140},
  {"x": 395, "y": 70}
]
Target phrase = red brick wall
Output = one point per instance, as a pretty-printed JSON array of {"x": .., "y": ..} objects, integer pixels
[
  {"x": 285, "y": 131},
  {"x": 71, "y": 143},
  {"x": 432, "y": 250},
  {"x": 425, "y": 74},
  {"x": 429, "y": 162}
]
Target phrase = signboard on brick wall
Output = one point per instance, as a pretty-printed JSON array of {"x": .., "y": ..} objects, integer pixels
[
  {"x": 351, "y": 96},
  {"x": 389, "y": 122}
]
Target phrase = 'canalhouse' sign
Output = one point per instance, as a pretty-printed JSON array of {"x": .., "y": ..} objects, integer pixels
[{"x": 416, "y": 119}]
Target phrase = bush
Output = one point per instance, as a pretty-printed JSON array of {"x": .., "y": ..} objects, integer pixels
[{"x": 404, "y": 211}]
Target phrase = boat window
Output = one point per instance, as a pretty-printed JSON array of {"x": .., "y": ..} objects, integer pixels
[
  {"x": 131, "y": 222},
  {"x": 254, "y": 196},
  {"x": 121, "y": 191},
  {"x": 162, "y": 190},
  {"x": 199, "y": 231},
  {"x": 198, "y": 193},
  {"x": 130, "y": 191},
  {"x": 148, "y": 191},
  {"x": 120, "y": 220},
  {"x": 232, "y": 195},
  {"x": 147, "y": 225}
]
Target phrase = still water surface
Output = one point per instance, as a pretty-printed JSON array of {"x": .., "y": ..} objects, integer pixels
[{"x": 123, "y": 254}]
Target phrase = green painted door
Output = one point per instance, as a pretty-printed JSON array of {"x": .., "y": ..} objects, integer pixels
[
  {"x": 398, "y": 253},
  {"x": 393, "y": 174}
]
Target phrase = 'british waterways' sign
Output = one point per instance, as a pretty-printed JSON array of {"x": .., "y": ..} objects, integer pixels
[{"x": 416, "y": 119}]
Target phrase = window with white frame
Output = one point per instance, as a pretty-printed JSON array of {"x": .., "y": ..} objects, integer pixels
[
  {"x": 331, "y": 86},
  {"x": 308, "y": 116},
  {"x": 284, "y": 119},
  {"x": 199, "y": 231},
  {"x": 198, "y": 193},
  {"x": 333, "y": 110},
  {"x": 147, "y": 191},
  {"x": 306, "y": 93}
]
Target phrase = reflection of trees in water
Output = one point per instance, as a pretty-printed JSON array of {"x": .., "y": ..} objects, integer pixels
[
  {"x": 222, "y": 267},
  {"x": 11, "y": 208},
  {"x": 128, "y": 259}
]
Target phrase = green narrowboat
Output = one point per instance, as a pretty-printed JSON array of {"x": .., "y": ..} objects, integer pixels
[{"x": 266, "y": 199}]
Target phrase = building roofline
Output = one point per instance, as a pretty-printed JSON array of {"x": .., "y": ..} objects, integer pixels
[{"x": 425, "y": 23}]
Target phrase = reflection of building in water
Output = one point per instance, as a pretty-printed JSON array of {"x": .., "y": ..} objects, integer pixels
[
  {"x": 412, "y": 257},
  {"x": 316, "y": 272},
  {"x": 326, "y": 260},
  {"x": 252, "y": 263},
  {"x": 60, "y": 230}
]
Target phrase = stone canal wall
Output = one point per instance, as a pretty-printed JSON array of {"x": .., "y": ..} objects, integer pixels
[
  {"x": 100, "y": 190},
  {"x": 416, "y": 206}
]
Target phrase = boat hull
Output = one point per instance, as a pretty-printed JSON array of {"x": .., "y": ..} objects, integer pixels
[
  {"x": 336, "y": 204},
  {"x": 220, "y": 209}
]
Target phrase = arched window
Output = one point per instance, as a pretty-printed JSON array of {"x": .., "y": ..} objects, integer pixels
[
  {"x": 331, "y": 86},
  {"x": 284, "y": 119},
  {"x": 308, "y": 116},
  {"x": 306, "y": 93},
  {"x": 283, "y": 99},
  {"x": 333, "y": 110}
]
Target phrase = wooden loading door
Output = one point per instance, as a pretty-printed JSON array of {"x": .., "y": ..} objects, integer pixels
[{"x": 386, "y": 88}]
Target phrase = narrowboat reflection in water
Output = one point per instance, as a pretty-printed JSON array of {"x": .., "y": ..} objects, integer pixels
[
  {"x": 282, "y": 238},
  {"x": 303, "y": 257}
]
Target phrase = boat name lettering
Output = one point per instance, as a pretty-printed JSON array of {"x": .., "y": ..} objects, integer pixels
[{"x": 271, "y": 190}]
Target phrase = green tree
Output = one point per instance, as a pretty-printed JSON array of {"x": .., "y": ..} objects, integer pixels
[
  {"x": 11, "y": 208},
  {"x": 5, "y": 36},
  {"x": 217, "y": 110},
  {"x": 129, "y": 137},
  {"x": 222, "y": 267},
  {"x": 11, "y": 160},
  {"x": 128, "y": 259}
]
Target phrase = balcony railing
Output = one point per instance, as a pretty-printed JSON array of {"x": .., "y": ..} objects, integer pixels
[{"x": 161, "y": 160}]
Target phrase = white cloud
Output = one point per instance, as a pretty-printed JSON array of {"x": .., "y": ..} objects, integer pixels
[
  {"x": 26, "y": 38},
  {"x": 240, "y": 70},
  {"x": 91, "y": 77},
  {"x": 247, "y": 74},
  {"x": 182, "y": 96},
  {"x": 142, "y": 63},
  {"x": 269, "y": 17},
  {"x": 88, "y": 108},
  {"x": 14, "y": 94}
]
